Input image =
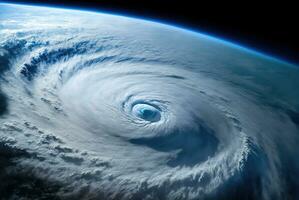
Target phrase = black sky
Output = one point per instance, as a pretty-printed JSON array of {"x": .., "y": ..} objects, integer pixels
[{"x": 270, "y": 27}]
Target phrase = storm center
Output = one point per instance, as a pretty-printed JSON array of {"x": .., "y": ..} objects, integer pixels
[{"x": 146, "y": 112}]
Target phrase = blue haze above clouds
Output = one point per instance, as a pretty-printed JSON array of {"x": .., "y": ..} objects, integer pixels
[{"x": 97, "y": 106}]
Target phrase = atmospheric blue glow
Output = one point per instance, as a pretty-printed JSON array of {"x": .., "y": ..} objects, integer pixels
[{"x": 209, "y": 35}]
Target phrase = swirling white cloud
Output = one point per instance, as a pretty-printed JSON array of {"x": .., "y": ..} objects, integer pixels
[{"x": 130, "y": 109}]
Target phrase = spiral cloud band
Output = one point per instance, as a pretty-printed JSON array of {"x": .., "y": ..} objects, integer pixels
[{"x": 97, "y": 106}]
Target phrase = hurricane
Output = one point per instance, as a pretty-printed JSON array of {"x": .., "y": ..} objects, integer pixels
[{"x": 101, "y": 106}]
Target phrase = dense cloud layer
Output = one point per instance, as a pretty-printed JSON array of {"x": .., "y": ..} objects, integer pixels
[{"x": 98, "y": 106}]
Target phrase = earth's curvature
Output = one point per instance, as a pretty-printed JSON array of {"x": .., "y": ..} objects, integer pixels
[{"x": 97, "y": 106}]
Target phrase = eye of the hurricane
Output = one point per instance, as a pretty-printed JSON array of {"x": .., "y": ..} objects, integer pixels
[{"x": 146, "y": 112}]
